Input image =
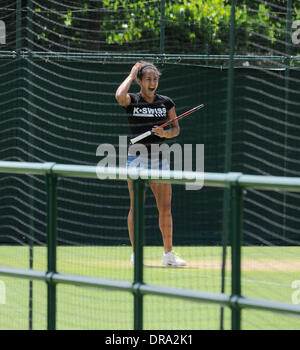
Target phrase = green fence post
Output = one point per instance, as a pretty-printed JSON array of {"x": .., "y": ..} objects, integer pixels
[
  {"x": 31, "y": 204},
  {"x": 287, "y": 66},
  {"x": 236, "y": 196},
  {"x": 138, "y": 187},
  {"x": 162, "y": 27},
  {"x": 51, "y": 183},
  {"x": 228, "y": 150},
  {"x": 19, "y": 27}
]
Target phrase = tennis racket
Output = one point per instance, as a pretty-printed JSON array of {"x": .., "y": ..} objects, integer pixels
[{"x": 148, "y": 133}]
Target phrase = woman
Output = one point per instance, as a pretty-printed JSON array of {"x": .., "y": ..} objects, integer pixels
[{"x": 145, "y": 110}]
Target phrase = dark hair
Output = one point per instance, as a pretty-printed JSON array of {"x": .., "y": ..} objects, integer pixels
[{"x": 147, "y": 65}]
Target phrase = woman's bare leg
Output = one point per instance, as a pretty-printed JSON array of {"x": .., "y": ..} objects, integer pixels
[
  {"x": 130, "y": 214},
  {"x": 163, "y": 196}
]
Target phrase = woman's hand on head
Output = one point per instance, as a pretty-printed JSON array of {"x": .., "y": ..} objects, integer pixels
[{"x": 135, "y": 69}]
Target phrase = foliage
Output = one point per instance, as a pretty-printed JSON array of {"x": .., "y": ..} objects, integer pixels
[
  {"x": 196, "y": 26},
  {"x": 191, "y": 26}
]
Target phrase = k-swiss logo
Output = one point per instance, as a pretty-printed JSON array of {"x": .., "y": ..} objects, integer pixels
[{"x": 149, "y": 112}]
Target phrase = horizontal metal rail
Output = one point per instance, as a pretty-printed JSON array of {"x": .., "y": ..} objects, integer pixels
[
  {"x": 209, "y": 179},
  {"x": 179, "y": 293},
  {"x": 270, "y": 63},
  {"x": 158, "y": 56}
]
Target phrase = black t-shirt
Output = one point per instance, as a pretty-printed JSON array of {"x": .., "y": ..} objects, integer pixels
[{"x": 142, "y": 115}]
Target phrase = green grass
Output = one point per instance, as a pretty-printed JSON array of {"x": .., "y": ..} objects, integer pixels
[{"x": 268, "y": 273}]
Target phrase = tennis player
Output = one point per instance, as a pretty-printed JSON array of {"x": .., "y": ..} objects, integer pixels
[{"x": 145, "y": 111}]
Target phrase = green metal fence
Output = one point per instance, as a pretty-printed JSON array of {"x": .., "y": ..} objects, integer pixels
[
  {"x": 23, "y": 50},
  {"x": 236, "y": 183}
]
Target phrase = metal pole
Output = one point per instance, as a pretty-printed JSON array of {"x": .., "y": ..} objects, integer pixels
[
  {"x": 30, "y": 159},
  {"x": 162, "y": 27},
  {"x": 236, "y": 192},
  {"x": 19, "y": 27},
  {"x": 286, "y": 97},
  {"x": 138, "y": 187},
  {"x": 51, "y": 184},
  {"x": 228, "y": 151}
]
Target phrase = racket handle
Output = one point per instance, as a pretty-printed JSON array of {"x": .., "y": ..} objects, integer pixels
[{"x": 140, "y": 137}]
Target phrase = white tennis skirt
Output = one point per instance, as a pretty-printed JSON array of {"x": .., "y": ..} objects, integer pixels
[{"x": 134, "y": 161}]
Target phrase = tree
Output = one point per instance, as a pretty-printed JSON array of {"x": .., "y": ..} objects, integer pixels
[{"x": 191, "y": 26}]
